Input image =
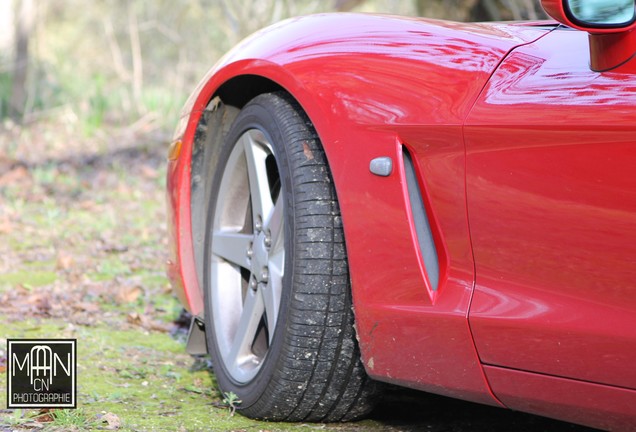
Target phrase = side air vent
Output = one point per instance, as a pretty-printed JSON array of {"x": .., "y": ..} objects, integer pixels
[{"x": 422, "y": 224}]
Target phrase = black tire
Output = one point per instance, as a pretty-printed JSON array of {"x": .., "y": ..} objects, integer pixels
[{"x": 308, "y": 367}]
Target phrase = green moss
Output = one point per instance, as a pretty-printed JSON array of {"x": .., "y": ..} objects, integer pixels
[
  {"x": 28, "y": 278},
  {"x": 145, "y": 379},
  {"x": 109, "y": 268}
]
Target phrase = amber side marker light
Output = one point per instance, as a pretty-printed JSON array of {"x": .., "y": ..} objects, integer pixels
[{"x": 174, "y": 151}]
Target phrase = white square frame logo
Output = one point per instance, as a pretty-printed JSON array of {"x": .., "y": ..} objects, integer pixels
[{"x": 41, "y": 373}]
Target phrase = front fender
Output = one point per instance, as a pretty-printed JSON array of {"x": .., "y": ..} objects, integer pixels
[{"x": 375, "y": 86}]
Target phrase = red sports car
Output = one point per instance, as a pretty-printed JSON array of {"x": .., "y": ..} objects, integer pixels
[{"x": 451, "y": 207}]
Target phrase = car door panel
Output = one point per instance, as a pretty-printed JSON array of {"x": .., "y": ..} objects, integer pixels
[
  {"x": 551, "y": 151},
  {"x": 597, "y": 405}
]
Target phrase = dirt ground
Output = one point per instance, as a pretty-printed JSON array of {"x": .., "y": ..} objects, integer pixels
[{"x": 83, "y": 231}]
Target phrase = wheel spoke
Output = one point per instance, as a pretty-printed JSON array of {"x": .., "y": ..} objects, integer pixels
[
  {"x": 274, "y": 223},
  {"x": 240, "y": 351},
  {"x": 232, "y": 247},
  {"x": 255, "y": 155},
  {"x": 272, "y": 292},
  {"x": 240, "y": 313}
]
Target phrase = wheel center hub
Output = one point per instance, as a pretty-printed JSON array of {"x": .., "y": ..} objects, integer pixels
[{"x": 260, "y": 257}]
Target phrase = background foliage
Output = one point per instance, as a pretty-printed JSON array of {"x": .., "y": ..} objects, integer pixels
[{"x": 86, "y": 65}]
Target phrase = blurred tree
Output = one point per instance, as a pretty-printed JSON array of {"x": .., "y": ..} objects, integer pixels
[
  {"x": 346, "y": 5},
  {"x": 243, "y": 17},
  {"x": 7, "y": 34},
  {"x": 526, "y": 9},
  {"x": 6, "y": 26},
  {"x": 481, "y": 10},
  {"x": 23, "y": 28},
  {"x": 133, "y": 62}
]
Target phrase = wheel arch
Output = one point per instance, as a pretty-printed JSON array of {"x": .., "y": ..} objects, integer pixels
[
  {"x": 239, "y": 90},
  {"x": 221, "y": 106}
]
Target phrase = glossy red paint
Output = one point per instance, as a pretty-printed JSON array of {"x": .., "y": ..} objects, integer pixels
[
  {"x": 613, "y": 51},
  {"x": 603, "y": 407},
  {"x": 523, "y": 173},
  {"x": 551, "y": 200},
  {"x": 180, "y": 266},
  {"x": 358, "y": 83}
]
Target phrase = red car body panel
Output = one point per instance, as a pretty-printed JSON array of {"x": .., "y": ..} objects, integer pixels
[
  {"x": 358, "y": 84},
  {"x": 552, "y": 204},
  {"x": 600, "y": 406},
  {"x": 377, "y": 86},
  {"x": 551, "y": 178}
]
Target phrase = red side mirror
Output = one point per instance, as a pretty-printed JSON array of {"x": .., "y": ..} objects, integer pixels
[
  {"x": 594, "y": 16},
  {"x": 611, "y": 25}
]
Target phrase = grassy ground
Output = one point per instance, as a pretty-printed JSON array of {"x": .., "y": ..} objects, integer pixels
[
  {"x": 82, "y": 224},
  {"x": 83, "y": 246}
]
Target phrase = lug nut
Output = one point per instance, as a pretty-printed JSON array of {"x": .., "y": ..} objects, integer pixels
[
  {"x": 253, "y": 283},
  {"x": 250, "y": 250},
  {"x": 258, "y": 225},
  {"x": 268, "y": 239},
  {"x": 265, "y": 274}
]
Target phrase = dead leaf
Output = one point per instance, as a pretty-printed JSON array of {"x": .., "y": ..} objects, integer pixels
[
  {"x": 112, "y": 421},
  {"x": 108, "y": 246},
  {"x": 45, "y": 415},
  {"x": 5, "y": 226},
  {"x": 15, "y": 175},
  {"x": 64, "y": 260},
  {"x": 147, "y": 323},
  {"x": 149, "y": 172},
  {"x": 41, "y": 302},
  {"x": 134, "y": 318},
  {"x": 115, "y": 248},
  {"x": 86, "y": 307},
  {"x": 307, "y": 151},
  {"x": 159, "y": 326},
  {"x": 87, "y": 205},
  {"x": 124, "y": 189},
  {"x": 128, "y": 293}
]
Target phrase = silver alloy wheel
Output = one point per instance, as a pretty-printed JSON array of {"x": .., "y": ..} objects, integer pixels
[
  {"x": 248, "y": 256},
  {"x": 278, "y": 310}
]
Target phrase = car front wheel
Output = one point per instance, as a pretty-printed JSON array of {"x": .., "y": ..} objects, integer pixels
[{"x": 278, "y": 310}]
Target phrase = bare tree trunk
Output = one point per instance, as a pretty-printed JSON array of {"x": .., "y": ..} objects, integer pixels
[
  {"x": 20, "y": 66},
  {"x": 7, "y": 30},
  {"x": 496, "y": 10},
  {"x": 346, "y": 5},
  {"x": 456, "y": 10},
  {"x": 486, "y": 10},
  {"x": 115, "y": 50},
  {"x": 420, "y": 7},
  {"x": 137, "y": 60}
]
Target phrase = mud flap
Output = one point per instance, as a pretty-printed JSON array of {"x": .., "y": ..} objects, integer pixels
[{"x": 196, "y": 344}]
